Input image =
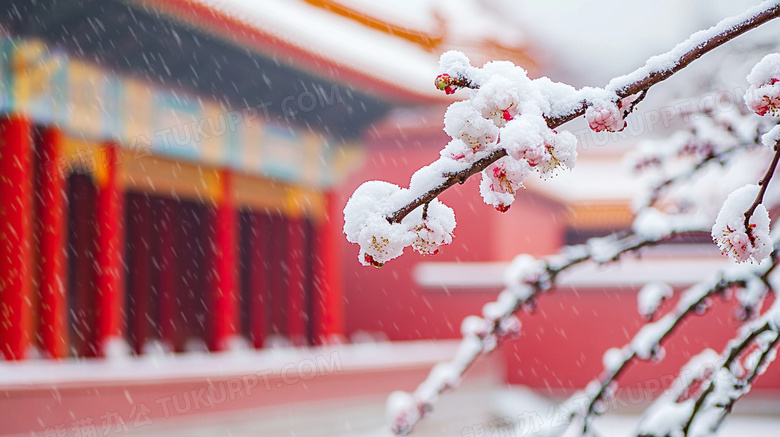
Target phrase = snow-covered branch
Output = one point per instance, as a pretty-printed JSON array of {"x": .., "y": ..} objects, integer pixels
[
  {"x": 711, "y": 385},
  {"x": 646, "y": 344},
  {"x": 764, "y": 184},
  {"x": 505, "y": 130},
  {"x": 526, "y": 278},
  {"x": 656, "y": 70}
]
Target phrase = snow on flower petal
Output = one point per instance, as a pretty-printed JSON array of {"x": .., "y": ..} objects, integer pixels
[
  {"x": 522, "y": 139},
  {"x": 524, "y": 269},
  {"x": 498, "y": 100},
  {"x": 457, "y": 150},
  {"x": 435, "y": 230},
  {"x": 763, "y": 95},
  {"x": 455, "y": 64},
  {"x": 771, "y": 138},
  {"x": 605, "y": 117},
  {"x": 561, "y": 153},
  {"x": 465, "y": 122},
  {"x": 729, "y": 230},
  {"x": 501, "y": 180},
  {"x": 366, "y": 225}
]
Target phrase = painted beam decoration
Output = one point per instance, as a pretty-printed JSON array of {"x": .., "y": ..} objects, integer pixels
[{"x": 90, "y": 104}]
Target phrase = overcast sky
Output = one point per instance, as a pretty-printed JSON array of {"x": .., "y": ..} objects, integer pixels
[{"x": 599, "y": 39}]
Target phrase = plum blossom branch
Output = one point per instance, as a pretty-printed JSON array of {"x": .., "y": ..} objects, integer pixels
[
  {"x": 646, "y": 344},
  {"x": 656, "y": 70},
  {"x": 527, "y": 278},
  {"x": 700, "y": 403},
  {"x": 735, "y": 385}
]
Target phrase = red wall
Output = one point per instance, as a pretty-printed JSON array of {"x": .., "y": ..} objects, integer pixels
[{"x": 564, "y": 340}]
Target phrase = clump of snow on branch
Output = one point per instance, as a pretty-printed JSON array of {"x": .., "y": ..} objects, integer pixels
[
  {"x": 669, "y": 413},
  {"x": 729, "y": 231},
  {"x": 771, "y": 138},
  {"x": 763, "y": 95},
  {"x": 613, "y": 358},
  {"x": 402, "y": 412},
  {"x": 651, "y": 296},
  {"x": 366, "y": 224}
]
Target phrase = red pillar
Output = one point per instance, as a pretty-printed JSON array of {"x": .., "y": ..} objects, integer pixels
[
  {"x": 139, "y": 261},
  {"x": 277, "y": 274},
  {"x": 167, "y": 271},
  {"x": 296, "y": 281},
  {"x": 109, "y": 245},
  {"x": 224, "y": 313},
  {"x": 16, "y": 201},
  {"x": 51, "y": 230},
  {"x": 328, "y": 302},
  {"x": 257, "y": 279}
]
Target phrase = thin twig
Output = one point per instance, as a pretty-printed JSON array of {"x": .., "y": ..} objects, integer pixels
[
  {"x": 717, "y": 157},
  {"x": 764, "y": 183}
]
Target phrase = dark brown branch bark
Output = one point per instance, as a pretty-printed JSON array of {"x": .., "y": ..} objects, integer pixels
[
  {"x": 734, "y": 353},
  {"x": 639, "y": 86},
  {"x": 764, "y": 183},
  {"x": 611, "y": 377},
  {"x": 679, "y": 318}
]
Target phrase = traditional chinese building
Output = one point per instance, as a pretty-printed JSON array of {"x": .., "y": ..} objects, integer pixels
[{"x": 170, "y": 176}]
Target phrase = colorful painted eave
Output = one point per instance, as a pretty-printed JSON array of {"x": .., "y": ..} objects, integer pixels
[{"x": 404, "y": 79}]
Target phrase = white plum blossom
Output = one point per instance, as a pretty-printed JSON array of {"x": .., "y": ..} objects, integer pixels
[
  {"x": 506, "y": 110},
  {"x": 605, "y": 117},
  {"x": 522, "y": 139},
  {"x": 729, "y": 231},
  {"x": 435, "y": 230},
  {"x": 504, "y": 129},
  {"x": 457, "y": 150},
  {"x": 561, "y": 153},
  {"x": 366, "y": 224},
  {"x": 498, "y": 100},
  {"x": 509, "y": 327},
  {"x": 501, "y": 180},
  {"x": 763, "y": 95},
  {"x": 465, "y": 122}
]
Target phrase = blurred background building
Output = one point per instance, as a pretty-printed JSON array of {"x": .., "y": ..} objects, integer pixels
[{"x": 172, "y": 176}]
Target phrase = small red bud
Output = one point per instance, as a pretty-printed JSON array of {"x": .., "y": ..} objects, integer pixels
[
  {"x": 442, "y": 81},
  {"x": 507, "y": 116},
  {"x": 502, "y": 208},
  {"x": 369, "y": 259}
]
